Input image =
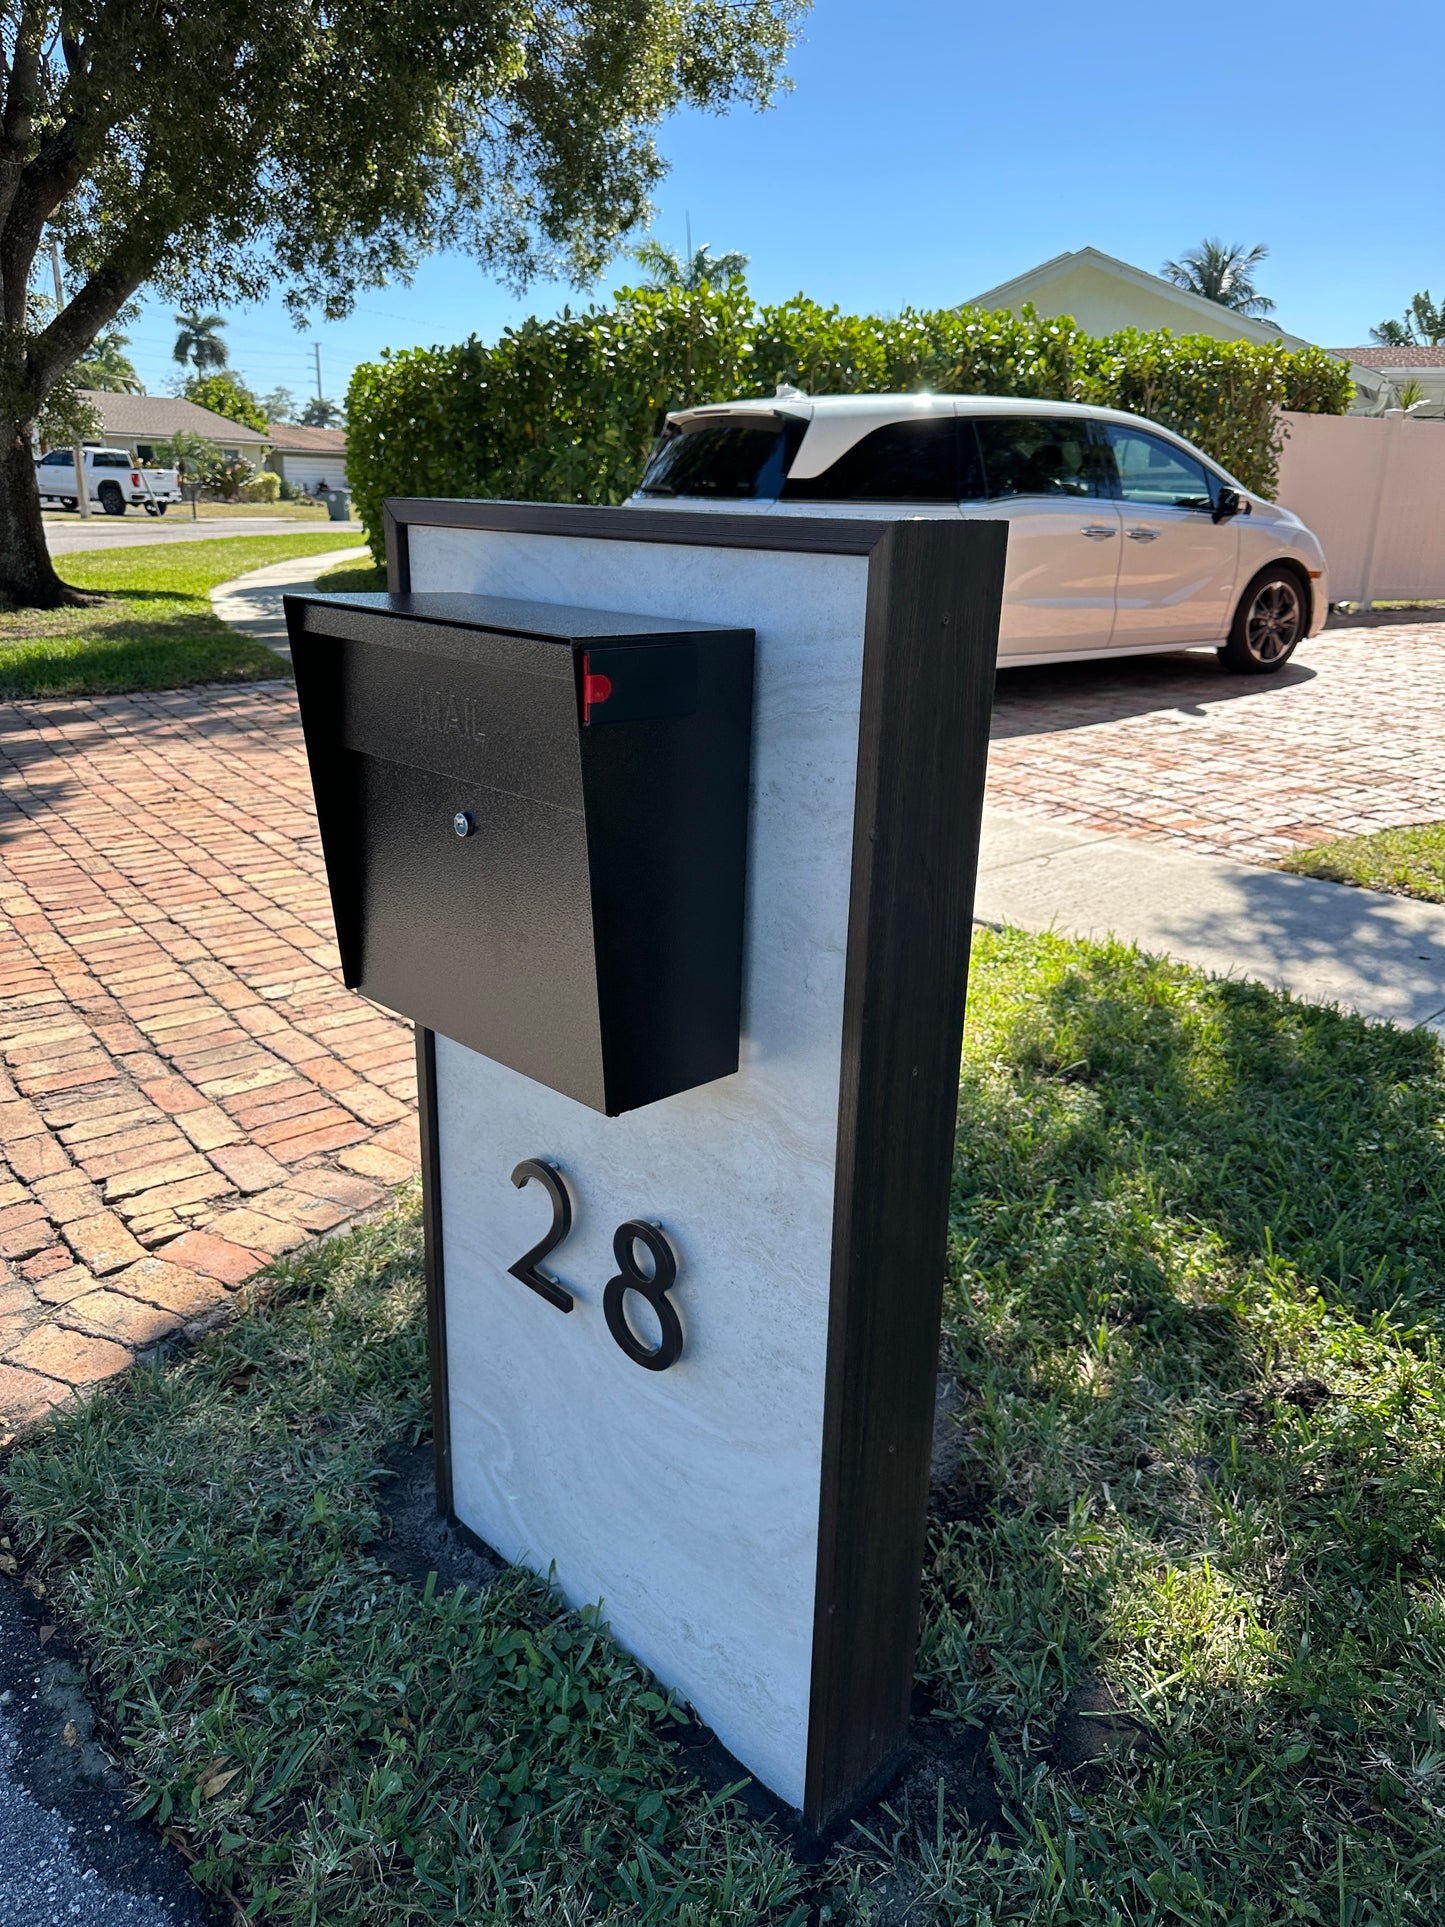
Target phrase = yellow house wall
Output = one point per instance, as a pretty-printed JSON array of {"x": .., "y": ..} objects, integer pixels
[{"x": 1101, "y": 305}]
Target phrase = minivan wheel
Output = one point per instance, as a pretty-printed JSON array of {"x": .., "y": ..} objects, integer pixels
[{"x": 1268, "y": 624}]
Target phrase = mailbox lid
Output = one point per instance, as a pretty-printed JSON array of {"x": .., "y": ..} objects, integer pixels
[{"x": 488, "y": 689}]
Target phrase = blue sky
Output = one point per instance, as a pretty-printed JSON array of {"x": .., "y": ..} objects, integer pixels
[{"x": 929, "y": 151}]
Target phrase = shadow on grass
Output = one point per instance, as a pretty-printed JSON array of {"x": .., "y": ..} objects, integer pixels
[
  {"x": 1199, "y": 1264},
  {"x": 133, "y": 654}
]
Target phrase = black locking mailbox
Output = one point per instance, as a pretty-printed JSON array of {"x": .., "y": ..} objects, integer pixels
[{"x": 534, "y": 820}]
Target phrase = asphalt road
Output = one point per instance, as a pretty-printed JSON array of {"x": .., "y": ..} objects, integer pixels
[
  {"x": 129, "y": 531},
  {"x": 69, "y": 1857}
]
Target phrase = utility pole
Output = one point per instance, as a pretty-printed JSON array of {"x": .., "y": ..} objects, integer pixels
[
  {"x": 316, "y": 345},
  {"x": 77, "y": 453}
]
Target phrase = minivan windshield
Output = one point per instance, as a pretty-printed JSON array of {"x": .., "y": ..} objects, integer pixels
[{"x": 724, "y": 458}]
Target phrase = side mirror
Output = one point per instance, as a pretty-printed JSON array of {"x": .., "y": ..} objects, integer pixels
[{"x": 1229, "y": 503}]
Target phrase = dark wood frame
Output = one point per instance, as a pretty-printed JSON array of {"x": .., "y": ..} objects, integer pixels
[{"x": 931, "y": 628}]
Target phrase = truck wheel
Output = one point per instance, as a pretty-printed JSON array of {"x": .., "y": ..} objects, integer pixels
[
  {"x": 161, "y": 507},
  {"x": 111, "y": 499},
  {"x": 152, "y": 508},
  {"x": 69, "y": 502}
]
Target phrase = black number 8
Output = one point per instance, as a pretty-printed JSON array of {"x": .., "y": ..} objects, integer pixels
[{"x": 654, "y": 1289}]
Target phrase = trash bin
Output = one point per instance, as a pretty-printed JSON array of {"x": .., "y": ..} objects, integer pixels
[
  {"x": 534, "y": 820},
  {"x": 338, "y": 504}
]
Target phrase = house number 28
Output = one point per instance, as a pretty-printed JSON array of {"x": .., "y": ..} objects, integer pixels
[{"x": 629, "y": 1276}]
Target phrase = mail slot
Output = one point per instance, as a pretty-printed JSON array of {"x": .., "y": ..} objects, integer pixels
[{"x": 534, "y": 821}]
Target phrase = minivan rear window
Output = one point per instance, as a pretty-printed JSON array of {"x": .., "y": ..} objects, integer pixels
[
  {"x": 725, "y": 460},
  {"x": 919, "y": 460}
]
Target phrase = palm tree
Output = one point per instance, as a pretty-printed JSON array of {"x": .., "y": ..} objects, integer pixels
[
  {"x": 108, "y": 368},
  {"x": 667, "y": 269},
  {"x": 1222, "y": 274},
  {"x": 1423, "y": 325},
  {"x": 199, "y": 341},
  {"x": 320, "y": 413}
]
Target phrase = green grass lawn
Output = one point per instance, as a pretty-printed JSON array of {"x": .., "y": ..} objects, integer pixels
[
  {"x": 1410, "y": 861},
  {"x": 350, "y": 576},
  {"x": 155, "y": 630},
  {"x": 1188, "y": 1581}
]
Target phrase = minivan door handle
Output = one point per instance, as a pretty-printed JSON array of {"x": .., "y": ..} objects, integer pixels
[
  {"x": 1098, "y": 531},
  {"x": 1143, "y": 535}
]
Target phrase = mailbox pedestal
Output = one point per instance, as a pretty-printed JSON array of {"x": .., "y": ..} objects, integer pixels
[{"x": 689, "y": 991}]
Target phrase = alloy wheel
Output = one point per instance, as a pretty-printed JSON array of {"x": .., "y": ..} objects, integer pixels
[{"x": 1272, "y": 626}]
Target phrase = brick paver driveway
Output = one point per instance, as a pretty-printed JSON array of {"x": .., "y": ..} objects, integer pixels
[
  {"x": 187, "y": 1089},
  {"x": 1345, "y": 739}
]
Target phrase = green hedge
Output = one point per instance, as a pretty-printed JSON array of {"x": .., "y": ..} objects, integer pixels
[{"x": 566, "y": 410}]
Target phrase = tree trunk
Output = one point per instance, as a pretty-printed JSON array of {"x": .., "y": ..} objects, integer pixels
[{"x": 27, "y": 575}]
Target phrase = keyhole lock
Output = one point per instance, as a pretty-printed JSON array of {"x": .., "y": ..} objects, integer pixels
[{"x": 462, "y": 823}]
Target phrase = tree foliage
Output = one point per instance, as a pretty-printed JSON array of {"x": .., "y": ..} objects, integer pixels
[
  {"x": 192, "y": 454},
  {"x": 666, "y": 268},
  {"x": 566, "y": 410},
  {"x": 321, "y": 412},
  {"x": 215, "y": 148},
  {"x": 199, "y": 341},
  {"x": 1423, "y": 325},
  {"x": 226, "y": 394},
  {"x": 108, "y": 369},
  {"x": 1222, "y": 273}
]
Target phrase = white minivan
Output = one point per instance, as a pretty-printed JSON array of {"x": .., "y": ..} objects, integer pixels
[{"x": 1123, "y": 538}]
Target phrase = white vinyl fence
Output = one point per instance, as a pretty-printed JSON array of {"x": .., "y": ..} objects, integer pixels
[{"x": 1372, "y": 488}]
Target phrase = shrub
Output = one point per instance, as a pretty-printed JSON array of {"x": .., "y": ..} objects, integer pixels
[
  {"x": 264, "y": 486},
  {"x": 191, "y": 454},
  {"x": 566, "y": 410},
  {"x": 226, "y": 478}
]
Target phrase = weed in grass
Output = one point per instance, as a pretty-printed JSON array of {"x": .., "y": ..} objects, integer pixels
[
  {"x": 1185, "y": 1590},
  {"x": 149, "y": 623},
  {"x": 1410, "y": 862}
]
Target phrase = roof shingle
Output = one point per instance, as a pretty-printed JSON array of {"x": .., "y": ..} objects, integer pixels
[
  {"x": 1415, "y": 356},
  {"x": 156, "y": 417},
  {"x": 294, "y": 438}
]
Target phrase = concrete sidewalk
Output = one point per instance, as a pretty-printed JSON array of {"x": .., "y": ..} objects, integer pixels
[
  {"x": 252, "y": 603},
  {"x": 129, "y": 531},
  {"x": 1383, "y": 956}
]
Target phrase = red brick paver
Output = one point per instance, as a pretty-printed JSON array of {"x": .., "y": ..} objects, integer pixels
[
  {"x": 1345, "y": 740},
  {"x": 186, "y": 1090}
]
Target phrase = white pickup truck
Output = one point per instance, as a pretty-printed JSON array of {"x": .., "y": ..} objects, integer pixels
[{"x": 112, "y": 479}]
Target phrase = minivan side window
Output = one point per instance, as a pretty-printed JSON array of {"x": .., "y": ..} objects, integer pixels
[
  {"x": 908, "y": 461},
  {"x": 1048, "y": 455},
  {"x": 1155, "y": 474}
]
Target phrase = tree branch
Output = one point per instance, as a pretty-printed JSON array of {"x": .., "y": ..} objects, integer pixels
[
  {"x": 21, "y": 95},
  {"x": 130, "y": 262}
]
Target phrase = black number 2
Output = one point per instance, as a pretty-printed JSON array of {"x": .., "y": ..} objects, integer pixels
[{"x": 527, "y": 1267}]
